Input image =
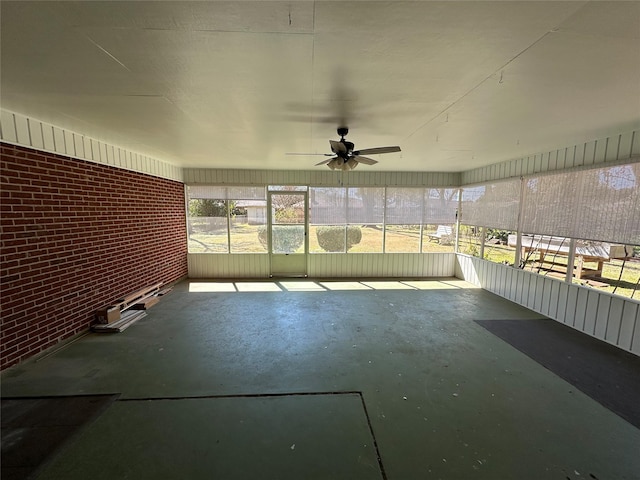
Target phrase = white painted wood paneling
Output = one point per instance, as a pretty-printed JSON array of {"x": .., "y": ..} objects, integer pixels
[
  {"x": 615, "y": 319},
  {"x": 524, "y": 298},
  {"x": 203, "y": 265},
  {"x": 591, "y": 312},
  {"x": 589, "y": 156},
  {"x": 79, "y": 147},
  {"x": 563, "y": 299},
  {"x": 581, "y": 309},
  {"x": 635, "y": 343},
  {"x": 570, "y": 313},
  {"x": 47, "y": 137},
  {"x": 602, "y": 316},
  {"x": 319, "y": 178},
  {"x": 535, "y": 298},
  {"x": 35, "y": 132},
  {"x": 619, "y": 147},
  {"x": 545, "y": 298},
  {"x": 607, "y": 317},
  {"x": 20, "y": 130},
  {"x": 365, "y": 265},
  {"x": 628, "y": 325},
  {"x": 58, "y": 141},
  {"x": 88, "y": 151},
  {"x": 612, "y": 149},
  {"x": 8, "y": 127},
  {"x": 635, "y": 143},
  {"x": 554, "y": 299},
  {"x": 69, "y": 144}
]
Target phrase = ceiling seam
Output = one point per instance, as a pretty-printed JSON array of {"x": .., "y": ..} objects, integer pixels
[
  {"x": 482, "y": 82},
  {"x": 554, "y": 30},
  {"x": 106, "y": 52}
]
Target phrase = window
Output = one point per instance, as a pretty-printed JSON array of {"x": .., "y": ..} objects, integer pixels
[
  {"x": 248, "y": 219},
  {"x": 365, "y": 219},
  {"x": 327, "y": 220},
  {"x": 470, "y": 240},
  {"x": 598, "y": 204},
  {"x": 207, "y": 229},
  {"x": 493, "y": 205},
  {"x": 500, "y": 245},
  {"x": 346, "y": 219},
  {"x": 489, "y": 214},
  {"x": 593, "y": 213},
  {"x": 439, "y": 219},
  {"x": 403, "y": 219},
  {"x": 226, "y": 219}
]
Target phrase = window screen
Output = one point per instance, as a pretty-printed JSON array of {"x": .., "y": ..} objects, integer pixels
[
  {"x": 404, "y": 206},
  {"x": 327, "y": 206},
  {"x": 609, "y": 209},
  {"x": 440, "y": 206},
  {"x": 206, "y": 191},
  {"x": 246, "y": 193},
  {"x": 226, "y": 193},
  {"x": 493, "y": 205},
  {"x": 597, "y": 204},
  {"x": 365, "y": 206}
]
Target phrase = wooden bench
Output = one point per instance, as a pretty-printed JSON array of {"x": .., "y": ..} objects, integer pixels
[{"x": 441, "y": 232}]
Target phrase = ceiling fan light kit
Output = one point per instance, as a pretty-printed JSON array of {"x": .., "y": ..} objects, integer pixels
[{"x": 338, "y": 163}]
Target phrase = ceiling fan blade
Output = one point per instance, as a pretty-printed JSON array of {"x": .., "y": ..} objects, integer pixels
[
  {"x": 377, "y": 150},
  {"x": 324, "y": 162},
  {"x": 337, "y": 147},
  {"x": 308, "y": 154},
  {"x": 365, "y": 160}
]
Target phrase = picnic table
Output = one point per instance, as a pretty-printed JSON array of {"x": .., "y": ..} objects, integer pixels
[{"x": 596, "y": 252}]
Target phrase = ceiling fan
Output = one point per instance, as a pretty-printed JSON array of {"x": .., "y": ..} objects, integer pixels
[{"x": 344, "y": 157}]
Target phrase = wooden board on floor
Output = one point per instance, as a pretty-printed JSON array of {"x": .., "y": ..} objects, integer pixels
[
  {"x": 145, "y": 304},
  {"x": 128, "y": 319}
]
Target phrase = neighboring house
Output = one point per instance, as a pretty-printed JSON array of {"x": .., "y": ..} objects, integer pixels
[{"x": 256, "y": 211}]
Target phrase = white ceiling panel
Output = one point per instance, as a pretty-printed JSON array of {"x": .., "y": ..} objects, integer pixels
[{"x": 457, "y": 85}]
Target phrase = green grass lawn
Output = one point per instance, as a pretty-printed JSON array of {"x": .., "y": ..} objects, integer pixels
[
  {"x": 244, "y": 239},
  {"x": 618, "y": 280}
]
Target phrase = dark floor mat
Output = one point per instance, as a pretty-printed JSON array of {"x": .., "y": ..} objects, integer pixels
[
  {"x": 33, "y": 429},
  {"x": 607, "y": 374}
]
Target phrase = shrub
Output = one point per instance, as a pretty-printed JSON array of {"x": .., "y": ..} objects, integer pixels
[
  {"x": 501, "y": 235},
  {"x": 287, "y": 240},
  {"x": 331, "y": 239}
]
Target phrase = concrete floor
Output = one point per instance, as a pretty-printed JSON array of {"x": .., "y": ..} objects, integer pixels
[{"x": 325, "y": 380}]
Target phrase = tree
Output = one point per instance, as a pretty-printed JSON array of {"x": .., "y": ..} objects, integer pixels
[
  {"x": 288, "y": 208},
  {"x": 207, "y": 207}
]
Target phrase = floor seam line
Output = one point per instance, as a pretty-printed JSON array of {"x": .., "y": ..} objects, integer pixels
[
  {"x": 242, "y": 395},
  {"x": 373, "y": 437}
]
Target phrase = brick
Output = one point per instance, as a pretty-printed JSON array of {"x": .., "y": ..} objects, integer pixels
[{"x": 64, "y": 250}]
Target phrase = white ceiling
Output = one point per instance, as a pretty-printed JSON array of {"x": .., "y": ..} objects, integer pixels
[{"x": 457, "y": 85}]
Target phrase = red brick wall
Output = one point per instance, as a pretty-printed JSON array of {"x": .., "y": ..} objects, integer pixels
[{"x": 76, "y": 236}]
